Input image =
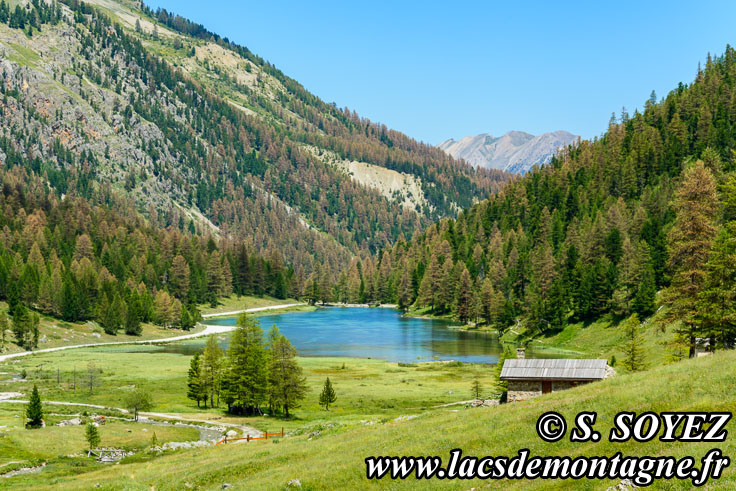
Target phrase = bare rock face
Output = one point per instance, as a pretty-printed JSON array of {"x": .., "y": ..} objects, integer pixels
[{"x": 516, "y": 151}]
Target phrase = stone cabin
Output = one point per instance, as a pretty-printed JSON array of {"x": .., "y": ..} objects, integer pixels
[{"x": 529, "y": 378}]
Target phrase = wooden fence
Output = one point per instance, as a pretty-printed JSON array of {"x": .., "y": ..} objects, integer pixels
[{"x": 248, "y": 438}]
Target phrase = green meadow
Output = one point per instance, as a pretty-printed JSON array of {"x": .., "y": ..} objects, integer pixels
[{"x": 332, "y": 455}]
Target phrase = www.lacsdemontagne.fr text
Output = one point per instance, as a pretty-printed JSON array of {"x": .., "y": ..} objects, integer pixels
[{"x": 641, "y": 470}]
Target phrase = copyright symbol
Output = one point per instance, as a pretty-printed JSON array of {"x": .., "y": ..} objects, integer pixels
[{"x": 551, "y": 426}]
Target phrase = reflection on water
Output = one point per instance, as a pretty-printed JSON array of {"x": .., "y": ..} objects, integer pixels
[{"x": 368, "y": 333}]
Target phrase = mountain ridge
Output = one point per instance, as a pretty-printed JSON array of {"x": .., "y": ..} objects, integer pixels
[
  {"x": 201, "y": 133},
  {"x": 515, "y": 151}
]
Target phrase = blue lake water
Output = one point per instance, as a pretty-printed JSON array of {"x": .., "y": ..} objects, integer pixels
[
  {"x": 378, "y": 333},
  {"x": 368, "y": 333}
]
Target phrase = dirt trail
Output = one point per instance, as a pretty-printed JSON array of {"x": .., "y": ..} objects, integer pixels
[
  {"x": 209, "y": 329},
  {"x": 245, "y": 429}
]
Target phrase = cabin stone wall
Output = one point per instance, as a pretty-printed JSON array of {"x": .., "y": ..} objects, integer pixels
[{"x": 523, "y": 390}]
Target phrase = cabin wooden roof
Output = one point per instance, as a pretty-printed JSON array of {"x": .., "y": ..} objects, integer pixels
[{"x": 553, "y": 369}]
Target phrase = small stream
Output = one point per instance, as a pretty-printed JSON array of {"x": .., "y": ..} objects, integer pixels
[{"x": 205, "y": 433}]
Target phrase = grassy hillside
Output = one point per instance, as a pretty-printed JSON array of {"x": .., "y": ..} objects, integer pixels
[
  {"x": 55, "y": 332},
  {"x": 602, "y": 338},
  {"x": 234, "y": 303},
  {"x": 334, "y": 458}
]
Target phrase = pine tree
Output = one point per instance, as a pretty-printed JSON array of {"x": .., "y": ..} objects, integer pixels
[
  {"x": 717, "y": 302},
  {"x": 690, "y": 242},
  {"x": 487, "y": 298},
  {"x": 194, "y": 382},
  {"x": 29, "y": 284},
  {"x": 3, "y": 329},
  {"x": 111, "y": 314},
  {"x": 502, "y": 385},
  {"x": 327, "y": 396},
  {"x": 72, "y": 299},
  {"x": 92, "y": 434},
  {"x": 25, "y": 326},
  {"x": 634, "y": 360},
  {"x": 243, "y": 279},
  {"x": 644, "y": 302},
  {"x": 185, "y": 321},
  {"x": 34, "y": 410},
  {"x": 133, "y": 314}
]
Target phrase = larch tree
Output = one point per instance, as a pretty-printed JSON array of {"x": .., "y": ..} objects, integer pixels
[
  {"x": 431, "y": 283},
  {"x": 634, "y": 355},
  {"x": 464, "y": 296},
  {"x": 690, "y": 241},
  {"x": 138, "y": 400},
  {"x": 327, "y": 396},
  {"x": 286, "y": 382},
  {"x": 487, "y": 297},
  {"x": 92, "y": 435},
  {"x": 476, "y": 389},
  {"x": 164, "y": 309},
  {"x": 215, "y": 275},
  {"x": 211, "y": 365},
  {"x": 446, "y": 292},
  {"x": 404, "y": 294},
  {"x": 245, "y": 382},
  {"x": 83, "y": 247},
  {"x": 179, "y": 277}
]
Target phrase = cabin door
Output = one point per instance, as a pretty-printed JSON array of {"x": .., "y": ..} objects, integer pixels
[{"x": 546, "y": 387}]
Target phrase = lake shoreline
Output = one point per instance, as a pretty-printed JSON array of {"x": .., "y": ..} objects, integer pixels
[
  {"x": 359, "y": 331},
  {"x": 359, "y": 305}
]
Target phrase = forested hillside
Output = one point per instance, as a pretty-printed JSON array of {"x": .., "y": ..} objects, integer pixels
[
  {"x": 110, "y": 100},
  {"x": 648, "y": 206},
  {"x": 77, "y": 261}
]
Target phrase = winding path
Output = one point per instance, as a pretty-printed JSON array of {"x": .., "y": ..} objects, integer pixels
[{"x": 209, "y": 329}]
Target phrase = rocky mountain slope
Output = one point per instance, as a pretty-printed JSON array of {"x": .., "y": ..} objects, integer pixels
[
  {"x": 107, "y": 99},
  {"x": 515, "y": 152}
]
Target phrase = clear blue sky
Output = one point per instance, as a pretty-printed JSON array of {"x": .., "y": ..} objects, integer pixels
[{"x": 436, "y": 70}]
